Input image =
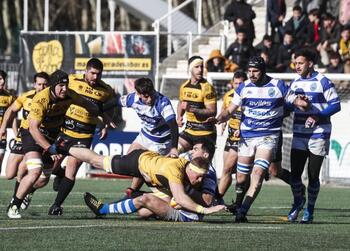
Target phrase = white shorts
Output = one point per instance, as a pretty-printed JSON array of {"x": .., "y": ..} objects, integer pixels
[
  {"x": 161, "y": 148},
  {"x": 318, "y": 147},
  {"x": 248, "y": 146}
]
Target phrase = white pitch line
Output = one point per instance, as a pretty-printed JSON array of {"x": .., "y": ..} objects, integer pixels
[{"x": 181, "y": 225}]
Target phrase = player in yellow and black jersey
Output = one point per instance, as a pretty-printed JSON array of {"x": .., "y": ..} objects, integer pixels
[
  {"x": 15, "y": 167},
  {"x": 231, "y": 147},
  {"x": 40, "y": 131},
  {"x": 6, "y": 99},
  {"x": 80, "y": 124},
  {"x": 172, "y": 176},
  {"x": 197, "y": 100}
]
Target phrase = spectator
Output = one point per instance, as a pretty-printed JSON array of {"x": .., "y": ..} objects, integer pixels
[
  {"x": 297, "y": 25},
  {"x": 242, "y": 15},
  {"x": 335, "y": 65},
  {"x": 285, "y": 52},
  {"x": 276, "y": 12},
  {"x": 330, "y": 36},
  {"x": 269, "y": 66},
  {"x": 218, "y": 63},
  {"x": 240, "y": 51},
  {"x": 291, "y": 66},
  {"x": 314, "y": 29},
  {"x": 267, "y": 46},
  {"x": 344, "y": 43}
]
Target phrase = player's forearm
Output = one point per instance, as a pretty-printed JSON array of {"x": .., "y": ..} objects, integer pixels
[
  {"x": 39, "y": 138},
  {"x": 203, "y": 112}
]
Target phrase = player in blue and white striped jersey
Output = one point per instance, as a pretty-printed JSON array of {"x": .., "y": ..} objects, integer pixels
[
  {"x": 262, "y": 101},
  {"x": 159, "y": 132},
  {"x": 311, "y": 131}
]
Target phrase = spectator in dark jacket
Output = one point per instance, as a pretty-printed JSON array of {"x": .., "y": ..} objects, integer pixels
[
  {"x": 240, "y": 51},
  {"x": 269, "y": 47},
  {"x": 314, "y": 29},
  {"x": 242, "y": 15},
  {"x": 285, "y": 52},
  {"x": 276, "y": 12},
  {"x": 335, "y": 65},
  {"x": 297, "y": 24}
]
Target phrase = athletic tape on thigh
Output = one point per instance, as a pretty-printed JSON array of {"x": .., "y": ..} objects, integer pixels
[
  {"x": 262, "y": 163},
  {"x": 34, "y": 163},
  {"x": 107, "y": 164},
  {"x": 243, "y": 168}
]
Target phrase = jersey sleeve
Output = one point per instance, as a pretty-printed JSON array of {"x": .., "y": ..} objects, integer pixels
[
  {"x": 174, "y": 175},
  {"x": 127, "y": 100},
  {"x": 181, "y": 93},
  {"x": 38, "y": 107},
  {"x": 19, "y": 102},
  {"x": 237, "y": 99},
  {"x": 167, "y": 110},
  {"x": 209, "y": 94}
]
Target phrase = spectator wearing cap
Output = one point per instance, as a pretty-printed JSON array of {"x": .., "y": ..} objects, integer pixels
[
  {"x": 242, "y": 15},
  {"x": 240, "y": 51},
  {"x": 276, "y": 12},
  {"x": 297, "y": 25}
]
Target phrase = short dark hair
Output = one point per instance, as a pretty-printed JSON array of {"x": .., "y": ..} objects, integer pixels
[
  {"x": 191, "y": 59},
  {"x": 306, "y": 53},
  {"x": 267, "y": 37},
  {"x": 297, "y": 8},
  {"x": 240, "y": 74},
  {"x": 207, "y": 146},
  {"x": 41, "y": 74},
  {"x": 314, "y": 12},
  {"x": 201, "y": 162},
  {"x": 95, "y": 63},
  {"x": 289, "y": 32},
  {"x": 328, "y": 16},
  {"x": 334, "y": 55},
  {"x": 144, "y": 86},
  {"x": 3, "y": 74}
]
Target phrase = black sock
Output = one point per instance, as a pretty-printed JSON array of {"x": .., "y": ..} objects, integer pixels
[
  {"x": 239, "y": 194},
  {"x": 32, "y": 190},
  {"x": 16, "y": 188},
  {"x": 65, "y": 187},
  {"x": 17, "y": 202},
  {"x": 60, "y": 172},
  {"x": 284, "y": 175},
  {"x": 247, "y": 204}
]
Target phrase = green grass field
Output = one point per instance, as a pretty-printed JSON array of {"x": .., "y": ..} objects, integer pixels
[{"x": 77, "y": 228}]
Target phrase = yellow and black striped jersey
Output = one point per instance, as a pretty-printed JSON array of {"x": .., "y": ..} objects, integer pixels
[
  {"x": 197, "y": 96},
  {"x": 6, "y": 99},
  {"x": 235, "y": 120},
  {"x": 49, "y": 112},
  {"x": 24, "y": 102},
  {"x": 159, "y": 170},
  {"x": 79, "y": 122}
]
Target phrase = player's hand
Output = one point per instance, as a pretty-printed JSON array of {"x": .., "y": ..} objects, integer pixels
[
  {"x": 103, "y": 133},
  {"x": 310, "y": 122},
  {"x": 179, "y": 121},
  {"x": 210, "y": 120},
  {"x": 56, "y": 157},
  {"x": 236, "y": 133},
  {"x": 174, "y": 153},
  {"x": 184, "y": 105},
  {"x": 52, "y": 149},
  {"x": 302, "y": 102},
  {"x": 214, "y": 209}
]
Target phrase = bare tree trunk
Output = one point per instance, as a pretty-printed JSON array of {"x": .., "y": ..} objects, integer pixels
[
  {"x": 84, "y": 16},
  {"x": 205, "y": 15},
  {"x": 6, "y": 19},
  {"x": 124, "y": 19},
  {"x": 40, "y": 12},
  {"x": 144, "y": 25},
  {"x": 18, "y": 12},
  {"x": 93, "y": 13}
]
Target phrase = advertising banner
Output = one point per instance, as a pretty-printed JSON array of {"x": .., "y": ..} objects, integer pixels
[{"x": 125, "y": 56}]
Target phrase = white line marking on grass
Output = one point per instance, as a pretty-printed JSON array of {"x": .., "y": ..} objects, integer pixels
[{"x": 181, "y": 225}]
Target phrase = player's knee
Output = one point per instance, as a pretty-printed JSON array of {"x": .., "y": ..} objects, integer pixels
[{"x": 243, "y": 168}]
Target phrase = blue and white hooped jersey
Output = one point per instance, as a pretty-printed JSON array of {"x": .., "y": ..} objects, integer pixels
[
  {"x": 153, "y": 118},
  {"x": 262, "y": 107},
  {"x": 321, "y": 93}
]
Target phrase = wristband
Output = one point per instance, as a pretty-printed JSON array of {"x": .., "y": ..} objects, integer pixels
[{"x": 200, "y": 209}]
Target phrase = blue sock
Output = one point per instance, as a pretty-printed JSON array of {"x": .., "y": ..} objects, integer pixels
[
  {"x": 121, "y": 207},
  {"x": 313, "y": 190},
  {"x": 297, "y": 186}
]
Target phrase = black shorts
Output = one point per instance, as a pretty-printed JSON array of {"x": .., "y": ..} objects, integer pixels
[
  {"x": 29, "y": 145},
  {"x": 16, "y": 145},
  {"x": 65, "y": 142},
  {"x": 231, "y": 144},
  {"x": 278, "y": 152},
  {"x": 194, "y": 139},
  {"x": 128, "y": 164}
]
